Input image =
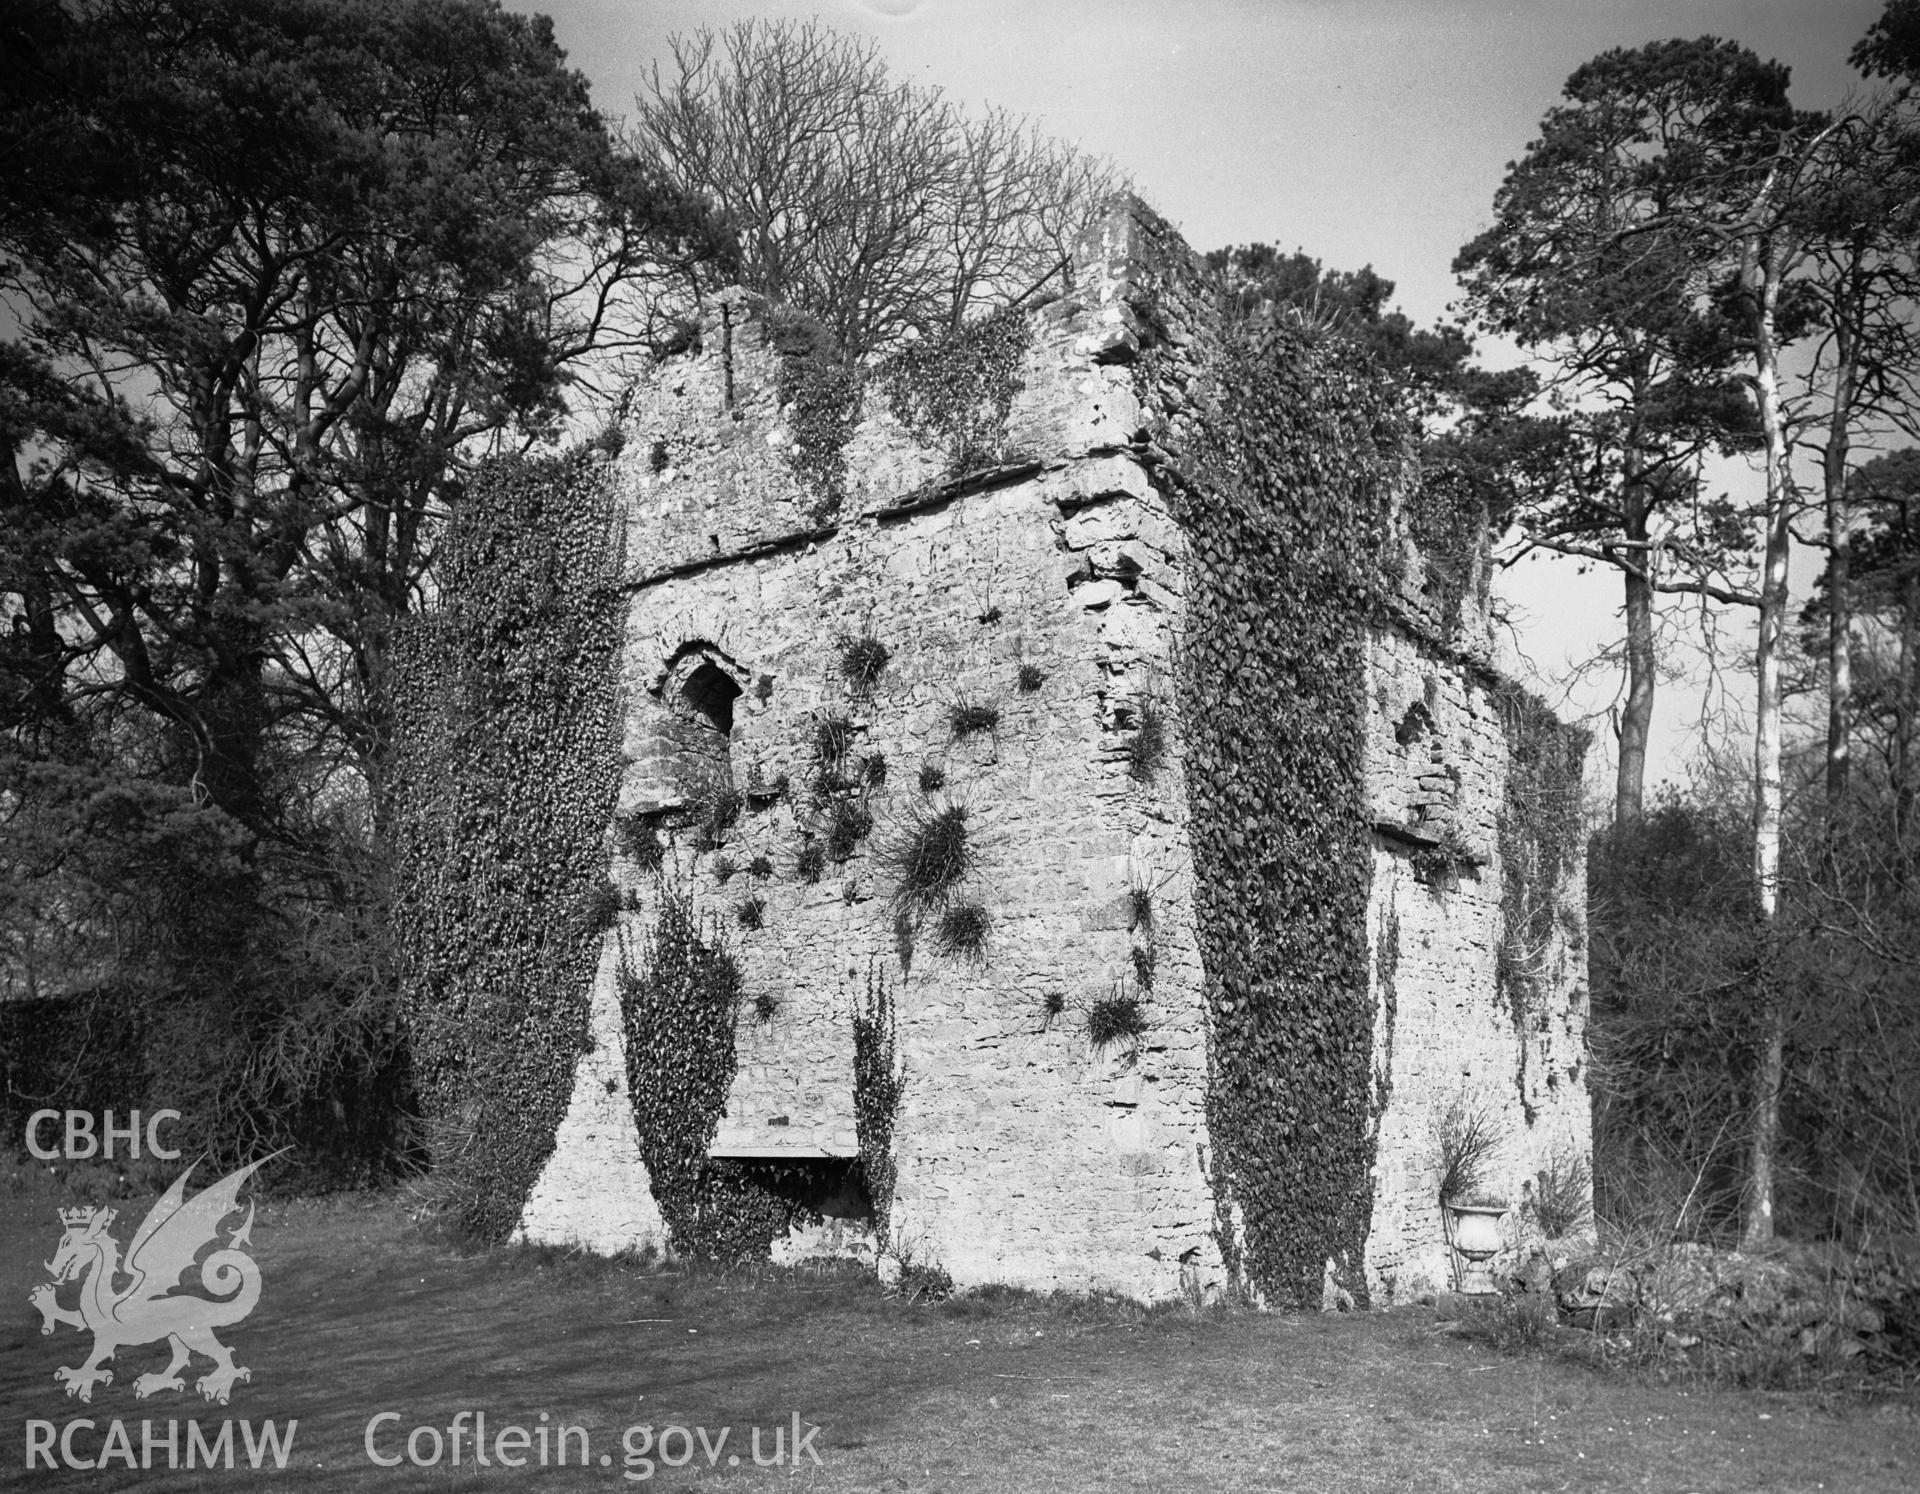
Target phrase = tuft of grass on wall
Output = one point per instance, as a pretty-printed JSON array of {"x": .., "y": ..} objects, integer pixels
[
  {"x": 1146, "y": 749},
  {"x": 930, "y": 857},
  {"x": 966, "y": 718},
  {"x": 962, "y": 931},
  {"x": 1118, "y": 1018},
  {"x": 863, "y": 658}
]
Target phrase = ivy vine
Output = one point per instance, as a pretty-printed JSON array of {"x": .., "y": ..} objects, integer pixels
[
  {"x": 878, "y": 1082},
  {"x": 955, "y": 394},
  {"x": 1283, "y": 487},
  {"x": 1539, "y": 829},
  {"x": 680, "y": 1004},
  {"x": 505, "y": 776}
]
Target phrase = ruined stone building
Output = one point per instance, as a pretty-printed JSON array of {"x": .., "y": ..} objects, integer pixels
[{"x": 1015, "y": 630}]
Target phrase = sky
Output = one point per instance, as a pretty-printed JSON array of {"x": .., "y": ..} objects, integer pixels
[{"x": 1362, "y": 131}]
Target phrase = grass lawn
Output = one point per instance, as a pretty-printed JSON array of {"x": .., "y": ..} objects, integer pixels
[{"x": 359, "y": 1316}]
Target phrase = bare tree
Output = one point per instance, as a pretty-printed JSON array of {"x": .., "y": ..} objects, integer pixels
[{"x": 875, "y": 206}]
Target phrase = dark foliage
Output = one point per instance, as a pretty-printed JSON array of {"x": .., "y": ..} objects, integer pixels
[
  {"x": 962, "y": 931},
  {"x": 967, "y": 717},
  {"x": 1119, "y": 1018}
]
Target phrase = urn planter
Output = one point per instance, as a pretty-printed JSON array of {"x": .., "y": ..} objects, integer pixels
[{"x": 1476, "y": 1236}]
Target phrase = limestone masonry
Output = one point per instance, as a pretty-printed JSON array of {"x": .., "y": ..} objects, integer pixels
[{"x": 1025, "y": 1153}]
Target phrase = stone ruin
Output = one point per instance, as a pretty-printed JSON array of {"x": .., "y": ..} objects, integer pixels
[{"x": 1024, "y": 1152}]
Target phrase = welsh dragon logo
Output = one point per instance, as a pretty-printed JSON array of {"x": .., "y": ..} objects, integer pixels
[{"x": 147, "y": 1309}]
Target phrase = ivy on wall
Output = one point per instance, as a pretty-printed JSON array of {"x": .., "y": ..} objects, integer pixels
[
  {"x": 877, "y": 1085},
  {"x": 1539, "y": 828},
  {"x": 1283, "y": 487},
  {"x": 955, "y": 395},
  {"x": 506, "y": 772},
  {"x": 680, "y": 1004}
]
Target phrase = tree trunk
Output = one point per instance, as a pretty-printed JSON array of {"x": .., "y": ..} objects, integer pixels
[
  {"x": 1833, "y": 472},
  {"x": 1903, "y": 721},
  {"x": 1763, "y": 1137},
  {"x": 1636, "y": 720}
]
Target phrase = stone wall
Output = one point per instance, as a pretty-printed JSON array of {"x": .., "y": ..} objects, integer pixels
[
  {"x": 1025, "y": 1154},
  {"x": 1446, "y": 1034}
]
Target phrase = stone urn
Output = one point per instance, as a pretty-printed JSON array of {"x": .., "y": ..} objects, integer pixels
[{"x": 1476, "y": 1236}]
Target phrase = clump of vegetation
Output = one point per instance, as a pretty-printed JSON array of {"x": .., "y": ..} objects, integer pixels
[
  {"x": 821, "y": 389},
  {"x": 832, "y": 740},
  {"x": 811, "y": 861},
  {"x": 903, "y": 939},
  {"x": 1146, "y": 962},
  {"x": 849, "y": 823},
  {"x": 862, "y": 658},
  {"x": 933, "y": 778},
  {"x": 968, "y": 717},
  {"x": 723, "y": 869},
  {"x": 751, "y": 912},
  {"x": 962, "y": 931},
  {"x": 931, "y": 857},
  {"x": 1147, "y": 747},
  {"x": 1032, "y": 677},
  {"x": 873, "y": 769},
  {"x": 715, "y": 813},
  {"x": 640, "y": 841},
  {"x": 766, "y": 1005},
  {"x": 761, "y": 867},
  {"x": 603, "y": 906},
  {"x": 920, "y": 1281},
  {"x": 1052, "y": 1005},
  {"x": 1438, "y": 867},
  {"x": 1468, "y": 1134},
  {"x": 1118, "y": 1018},
  {"x": 1563, "y": 1194},
  {"x": 955, "y": 393},
  {"x": 1140, "y": 906},
  {"x": 989, "y": 615}
]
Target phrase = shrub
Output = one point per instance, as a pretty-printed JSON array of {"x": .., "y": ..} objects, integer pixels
[
  {"x": 761, "y": 867},
  {"x": 933, "y": 778},
  {"x": 832, "y": 737},
  {"x": 962, "y": 931},
  {"x": 715, "y": 813},
  {"x": 1140, "y": 906},
  {"x": 766, "y": 1005},
  {"x": 1053, "y": 1004},
  {"x": 862, "y": 658},
  {"x": 848, "y": 824},
  {"x": 1116, "y": 1018},
  {"x": 1146, "y": 961},
  {"x": 723, "y": 869},
  {"x": 932, "y": 856},
  {"x": 873, "y": 769},
  {"x": 811, "y": 861},
  {"x": 602, "y": 906},
  {"x": 640, "y": 841},
  {"x": 966, "y": 718},
  {"x": 1032, "y": 677},
  {"x": 1563, "y": 1196},
  {"x": 1147, "y": 747},
  {"x": 1468, "y": 1133},
  {"x": 751, "y": 912}
]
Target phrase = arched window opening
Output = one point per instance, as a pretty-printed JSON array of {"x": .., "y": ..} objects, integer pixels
[{"x": 709, "y": 695}]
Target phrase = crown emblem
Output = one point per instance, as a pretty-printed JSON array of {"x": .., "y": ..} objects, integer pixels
[{"x": 85, "y": 1215}]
